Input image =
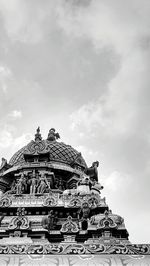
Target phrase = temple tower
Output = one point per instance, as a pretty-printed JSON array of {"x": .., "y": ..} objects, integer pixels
[{"x": 50, "y": 195}]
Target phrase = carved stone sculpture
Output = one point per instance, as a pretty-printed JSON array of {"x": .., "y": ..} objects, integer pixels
[
  {"x": 21, "y": 185},
  {"x": 96, "y": 188},
  {"x": 83, "y": 186},
  {"x": 33, "y": 183},
  {"x": 52, "y": 135},
  {"x": 43, "y": 184},
  {"x": 59, "y": 184},
  {"x": 84, "y": 211},
  {"x": 48, "y": 222},
  {"x": 92, "y": 171}
]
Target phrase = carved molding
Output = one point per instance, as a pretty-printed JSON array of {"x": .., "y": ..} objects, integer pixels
[
  {"x": 50, "y": 201},
  {"x": 69, "y": 226},
  {"x": 75, "y": 202},
  {"x": 5, "y": 202},
  {"x": 35, "y": 147},
  {"x": 80, "y": 249},
  {"x": 107, "y": 220},
  {"x": 106, "y": 223},
  {"x": 19, "y": 222}
]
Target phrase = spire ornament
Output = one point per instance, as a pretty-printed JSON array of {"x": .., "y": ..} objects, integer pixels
[{"x": 38, "y": 136}]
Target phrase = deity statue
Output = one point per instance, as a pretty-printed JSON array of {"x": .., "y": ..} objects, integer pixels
[
  {"x": 48, "y": 222},
  {"x": 52, "y": 135},
  {"x": 83, "y": 215},
  {"x": 92, "y": 171},
  {"x": 59, "y": 184},
  {"x": 33, "y": 183},
  {"x": 43, "y": 184},
  {"x": 85, "y": 211},
  {"x": 21, "y": 185}
]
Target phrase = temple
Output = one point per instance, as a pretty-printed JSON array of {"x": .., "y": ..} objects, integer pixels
[{"x": 51, "y": 203}]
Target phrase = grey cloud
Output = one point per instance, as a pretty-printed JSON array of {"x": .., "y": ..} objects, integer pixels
[{"x": 89, "y": 59}]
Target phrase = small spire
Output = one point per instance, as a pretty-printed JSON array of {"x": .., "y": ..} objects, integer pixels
[
  {"x": 52, "y": 136},
  {"x": 38, "y": 136}
]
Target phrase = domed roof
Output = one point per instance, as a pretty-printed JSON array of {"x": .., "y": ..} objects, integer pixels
[{"x": 57, "y": 151}]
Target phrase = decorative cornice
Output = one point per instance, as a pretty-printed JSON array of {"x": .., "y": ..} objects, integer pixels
[
  {"x": 73, "y": 248},
  {"x": 52, "y": 199}
]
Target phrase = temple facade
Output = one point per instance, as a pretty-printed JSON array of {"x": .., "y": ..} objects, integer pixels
[{"x": 51, "y": 203}]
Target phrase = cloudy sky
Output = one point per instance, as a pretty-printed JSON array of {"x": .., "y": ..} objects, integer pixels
[{"x": 83, "y": 67}]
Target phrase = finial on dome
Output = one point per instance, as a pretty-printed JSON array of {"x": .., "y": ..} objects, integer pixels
[
  {"x": 52, "y": 136},
  {"x": 38, "y": 136}
]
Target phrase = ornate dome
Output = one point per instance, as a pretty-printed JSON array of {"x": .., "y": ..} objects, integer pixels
[{"x": 56, "y": 151}]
